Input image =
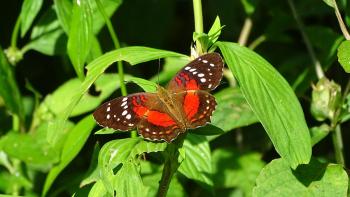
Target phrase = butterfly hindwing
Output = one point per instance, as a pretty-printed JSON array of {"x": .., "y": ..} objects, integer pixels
[{"x": 203, "y": 73}]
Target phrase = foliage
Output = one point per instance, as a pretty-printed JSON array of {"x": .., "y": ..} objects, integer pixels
[{"x": 276, "y": 131}]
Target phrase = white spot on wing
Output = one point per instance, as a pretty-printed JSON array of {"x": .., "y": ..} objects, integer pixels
[
  {"x": 210, "y": 85},
  {"x": 108, "y": 109},
  {"x": 124, "y": 113},
  {"x": 125, "y": 107},
  {"x": 195, "y": 72},
  {"x": 147, "y": 129},
  {"x": 207, "y": 101},
  {"x": 118, "y": 119},
  {"x": 212, "y": 65},
  {"x": 193, "y": 69},
  {"x": 205, "y": 61},
  {"x": 124, "y": 99},
  {"x": 109, "y": 103},
  {"x": 203, "y": 80},
  {"x": 200, "y": 75},
  {"x": 123, "y": 104},
  {"x": 114, "y": 116},
  {"x": 130, "y": 124},
  {"x": 128, "y": 116},
  {"x": 210, "y": 73},
  {"x": 108, "y": 116},
  {"x": 187, "y": 68}
]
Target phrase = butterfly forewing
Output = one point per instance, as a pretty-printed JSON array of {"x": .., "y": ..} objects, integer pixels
[
  {"x": 124, "y": 113},
  {"x": 203, "y": 73}
]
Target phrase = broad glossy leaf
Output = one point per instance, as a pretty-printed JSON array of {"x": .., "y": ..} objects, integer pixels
[
  {"x": 197, "y": 164},
  {"x": 232, "y": 110},
  {"x": 236, "y": 170},
  {"x": 72, "y": 146},
  {"x": 63, "y": 10},
  {"x": 9, "y": 91},
  {"x": 30, "y": 9},
  {"x": 80, "y": 35},
  {"x": 273, "y": 102},
  {"x": 344, "y": 55},
  {"x": 314, "y": 179}
]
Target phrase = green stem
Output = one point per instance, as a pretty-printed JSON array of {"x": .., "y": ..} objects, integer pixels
[
  {"x": 315, "y": 61},
  {"x": 170, "y": 166},
  {"x": 245, "y": 32},
  {"x": 257, "y": 42},
  {"x": 117, "y": 46},
  {"x": 198, "y": 16},
  {"x": 338, "y": 145},
  {"x": 14, "y": 35},
  {"x": 341, "y": 22},
  {"x": 15, "y": 123}
]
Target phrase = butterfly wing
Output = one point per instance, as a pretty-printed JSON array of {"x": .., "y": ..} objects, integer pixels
[
  {"x": 144, "y": 111},
  {"x": 203, "y": 73}
]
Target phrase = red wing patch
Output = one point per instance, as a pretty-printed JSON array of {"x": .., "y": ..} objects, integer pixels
[
  {"x": 191, "y": 104},
  {"x": 160, "y": 119},
  {"x": 203, "y": 73}
]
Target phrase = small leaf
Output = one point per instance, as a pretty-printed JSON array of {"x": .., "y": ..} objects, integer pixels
[
  {"x": 208, "y": 129},
  {"x": 318, "y": 133},
  {"x": 315, "y": 179},
  {"x": 147, "y": 86},
  {"x": 235, "y": 170},
  {"x": 30, "y": 8},
  {"x": 232, "y": 110},
  {"x": 215, "y": 30},
  {"x": 344, "y": 55},
  {"x": 249, "y": 6},
  {"x": 273, "y": 102},
  {"x": 9, "y": 91},
  {"x": 80, "y": 35},
  {"x": 197, "y": 164},
  {"x": 72, "y": 146}
]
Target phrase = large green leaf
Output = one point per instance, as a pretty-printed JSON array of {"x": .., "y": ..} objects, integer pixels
[
  {"x": 315, "y": 179},
  {"x": 128, "y": 182},
  {"x": 9, "y": 91},
  {"x": 72, "y": 146},
  {"x": 273, "y": 102},
  {"x": 63, "y": 10},
  {"x": 80, "y": 35},
  {"x": 197, "y": 163},
  {"x": 236, "y": 170},
  {"x": 30, "y": 8},
  {"x": 232, "y": 110}
]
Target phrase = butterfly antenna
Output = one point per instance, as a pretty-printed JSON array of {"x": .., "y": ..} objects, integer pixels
[{"x": 158, "y": 71}]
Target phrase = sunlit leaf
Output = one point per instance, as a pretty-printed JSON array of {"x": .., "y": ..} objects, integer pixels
[
  {"x": 344, "y": 55},
  {"x": 273, "y": 102},
  {"x": 30, "y": 8}
]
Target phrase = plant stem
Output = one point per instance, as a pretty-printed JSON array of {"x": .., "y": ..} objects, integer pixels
[
  {"x": 257, "y": 42},
  {"x": 245, "y": 32},
  {"x": 198, "y": 16},
  {"x": 14, "y": 35},
  {"x": 117, "y": 46},
  {"x": 170, "y": 166},
  {"x": 315, "y": 61},
  {"x": 341, "y": 22},
  {"x": 338, "y": 145}
]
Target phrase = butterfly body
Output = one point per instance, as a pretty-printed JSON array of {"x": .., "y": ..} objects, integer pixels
[{"x": 184, "y": 104}]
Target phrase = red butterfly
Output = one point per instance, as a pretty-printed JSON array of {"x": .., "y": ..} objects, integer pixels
[{"x": 184, "y": 104}]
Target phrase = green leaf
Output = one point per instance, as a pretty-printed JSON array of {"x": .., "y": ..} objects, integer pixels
[
  {"x": 9, "y": 91},
  {"x": 273, "y": 102},
  {"x": 315, "y": 179},
  {"x": 232, "y": 110},
  {"x": 32, "y": 149},
  {"x": 98, "y": 190},
  {"x": 63, "y": 10},
  {"x": 197, "y": 164},
  {"x": 235, "y": 170},
  {"x": 80, "y": 35},
  {"x": 72, "y": 146},
  {"x": 344, "y": 55},
  {"x": 208, "y": 129},
  {"x": 128, "y": 182},
  {"x": 47, "y": 36},
  {"x": 329, "y": 3},
  {"x": 29, "y": 10},
  {"x": 171, "y": 66},
  {"x": 147, "y": 86},
  {"x": 118, "y": 152},
  {"x": 215, "y": 30}
]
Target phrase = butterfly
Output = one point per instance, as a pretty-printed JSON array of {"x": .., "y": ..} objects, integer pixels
[{"x": 184, "y": 104}]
